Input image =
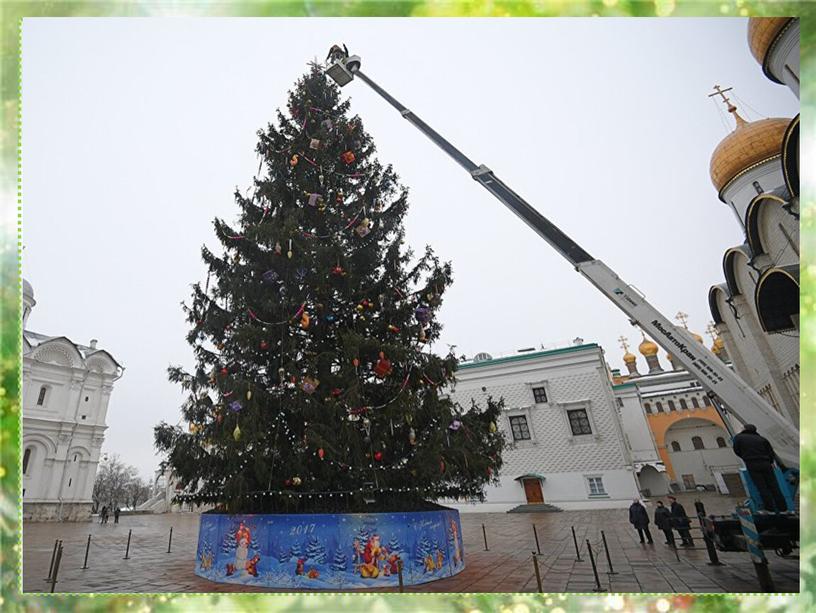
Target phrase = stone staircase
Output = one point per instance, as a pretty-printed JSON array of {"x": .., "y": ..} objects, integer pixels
[{"x": 535, "y": 508}]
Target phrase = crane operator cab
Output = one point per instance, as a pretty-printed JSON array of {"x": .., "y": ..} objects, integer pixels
[{"x": 342, "y": 66}]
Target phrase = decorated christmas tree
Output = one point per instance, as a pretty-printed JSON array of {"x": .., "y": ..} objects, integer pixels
[{"x": 315, "y": 385}]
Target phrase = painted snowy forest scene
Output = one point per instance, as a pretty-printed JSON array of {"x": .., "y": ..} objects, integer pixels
[{"x": 333, "y": 552}]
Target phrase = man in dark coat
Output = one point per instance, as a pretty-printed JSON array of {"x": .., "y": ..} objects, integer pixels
[
  {"x": 639, "y": 518},
  {"x": 681, "y": 522},
  {"x": 663, "y": 521},
  {"x": 758, "y": 454}
]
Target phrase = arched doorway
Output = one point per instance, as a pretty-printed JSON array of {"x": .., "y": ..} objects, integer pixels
[{"x": 652, "y": 482}]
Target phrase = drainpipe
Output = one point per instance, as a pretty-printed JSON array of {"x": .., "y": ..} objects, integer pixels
[{"x": 70, "y": 442}]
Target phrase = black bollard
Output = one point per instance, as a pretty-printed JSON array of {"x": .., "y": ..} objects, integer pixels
[
  {"x": 170, "y": 540},
  {"x": 127, "y": 551},
  {"x": 594, "y": 568},
  {"x": 53, "y": 557},
  {"x": 87, "y": 547},
  {"x": 399, "y": 576},
  {"x": 537, "y": 572},
  {"x": 608, "y": 559},
  {"x": 56, "y": 567},
  {"x": 535, "y": 534},
  {"x": 484, "y": 534},
  {"x": 575, "y": 540}
]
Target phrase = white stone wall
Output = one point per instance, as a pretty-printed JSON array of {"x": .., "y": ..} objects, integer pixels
[
  {"x": 575, "y": 378},
  {"x": 742, "y": 191}
]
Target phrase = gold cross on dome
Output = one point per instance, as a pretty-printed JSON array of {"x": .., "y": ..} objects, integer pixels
[
  {"x": 711, "y": 330},
  {"x": 682, "y": 318},
  {"x": 624, "y": 343},
  {"x": 718, "y": 91}
]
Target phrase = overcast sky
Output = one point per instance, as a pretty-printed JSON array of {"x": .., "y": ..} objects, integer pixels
[{"x": 137, "y": 131}]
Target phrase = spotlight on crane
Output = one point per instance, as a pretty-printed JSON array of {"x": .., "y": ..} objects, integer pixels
[{"x": 342, "y": 69}]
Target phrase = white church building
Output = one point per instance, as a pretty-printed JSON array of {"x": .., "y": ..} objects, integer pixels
[
  {"x": 66, "y": 391},
  {"x": 567, "y": 447}
]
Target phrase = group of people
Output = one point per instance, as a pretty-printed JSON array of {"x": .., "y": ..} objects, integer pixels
[
  {"x": 105, "y": 512},
  {"x": 667, "y": 519},
  {"x": 759, "y": 457}
]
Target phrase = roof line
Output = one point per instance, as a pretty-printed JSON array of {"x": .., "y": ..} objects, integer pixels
[{"x": 527, "y": 356}]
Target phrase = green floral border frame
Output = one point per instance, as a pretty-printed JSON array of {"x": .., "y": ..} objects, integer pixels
[{"x": 13, "y": 12}]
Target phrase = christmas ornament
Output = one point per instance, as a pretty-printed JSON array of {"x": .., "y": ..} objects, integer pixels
[
  {"x": 264, "y": 345},
  {"x": 236, "y": 434},
  {"x": 270, "y": 276},
  {"x": 455, "y": 425},
  {"x": 281, "y": 374},
  {"x": 339, "y": 198},
  {"x": 219, "y": 418},
  {"x": 383, "y": 367},
  {"x": 393, "y": 329},
  {"x": 314, "y": 199},
  {"x": 300, "y": 274},
  {"x": 336, "y": 392},
  {"x": 493, "y": 426},
  {"x": 309, "y": 385},
  {"x": 378, "y": 456},
  {"x": 249, "y": 394},
  {"x": 338, "y": 271},
  {"x": 294, "y": 161},
  {"x": 422, "y": 337},
  {"x": 422, "y": 314},
  {"x": 441, "y": 465},
  {"x": 320, "y": 453},
  {"x": 348, "y": 157},
  {"x": 287, "y": 483},
  {"x": 314, "y": 144},
  {"x": 296, "y": 481},
  {"x": 355, "y": 362},
  {"x": 411, "y": 437},
  {"x": 305, "y": 320},
  {"x": 193, "y": 428},
  {"x": 327, "y": 124},
  {"x": 224, "y": 371},
  {"x": 289, "y": 253},
  {"x": 278, "y": 251},
  {"x": 364, "y": 228},
  {"x": 235, "y": 406},
  {"x": 330, "y": 318}
]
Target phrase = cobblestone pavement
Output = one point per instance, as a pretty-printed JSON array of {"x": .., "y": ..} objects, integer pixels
[{"x": 506, "y": 567}]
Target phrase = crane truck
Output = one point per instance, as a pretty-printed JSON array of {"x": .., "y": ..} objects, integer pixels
[{"x": 728, "y": 392}]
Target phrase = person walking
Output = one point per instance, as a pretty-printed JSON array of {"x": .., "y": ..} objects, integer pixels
[
  {"x": 758, "y": 455},
  {"x": 103, "y": 514},
  {"x": 639, "y": 518},
  {"x": 681, "y": 522},
  {"x": 116, "y": 512},
  {"x": 663, "y": 521}
]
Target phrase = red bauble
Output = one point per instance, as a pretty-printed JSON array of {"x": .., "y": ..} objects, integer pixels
[
  {"x": 348, "y": 157},
  {"x": 288, "y": 482},
  {"x": 320, "y": 453},
  {"x": 224, "y": 371},
  {"x": 378, "y": 456},
  {"x": 336, "y": 392},
  {"x": 383, "y": 367},
  {"x": 264, "y": 345}
]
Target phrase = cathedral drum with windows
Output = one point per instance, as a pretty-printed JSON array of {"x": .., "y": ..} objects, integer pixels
[
  {"x": 66, "y": 391},
  {"x": 567, "y": 448}
]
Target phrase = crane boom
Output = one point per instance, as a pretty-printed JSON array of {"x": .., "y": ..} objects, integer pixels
[{"x": 715, "y": 376}]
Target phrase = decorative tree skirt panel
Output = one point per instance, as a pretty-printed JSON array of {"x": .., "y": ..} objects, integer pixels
[{"x": 330, "y": 551}]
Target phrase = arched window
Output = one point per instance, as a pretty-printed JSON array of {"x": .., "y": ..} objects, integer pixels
[
  {"x": 659, "y": 407},
  {"x": 671, "y": 406},
  {"x": 26, "y": 459},
  {"x": 697, "y": 442},
  {"x": 683, "y": 404},
  {"x": 694, "y": 402},
  {"x": 707, "y": 401},
  {"x": 721, "y": 442},
  {"x": 675, "y": 446},
  {"x": 41, "y": 397},
  {"x": 647, "y": 407}
]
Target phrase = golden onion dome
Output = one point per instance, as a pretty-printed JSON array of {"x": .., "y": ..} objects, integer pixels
[
  {"x": 647, "y": 348},
  {"x": 697, "y": 337},
  {"x": 762, "y": 32},
  {"x": 718, "y": 345},
  {"x": 628, "y": 358},
  {"x": 749, "y": 144}
]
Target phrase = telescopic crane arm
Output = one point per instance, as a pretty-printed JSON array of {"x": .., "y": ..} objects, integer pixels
[{"x": 719, "y": 380}]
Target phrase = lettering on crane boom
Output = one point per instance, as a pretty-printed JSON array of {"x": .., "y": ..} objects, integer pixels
[
  {"x": 619, "y": 292},
  {"x": 700, "y": 364}
]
